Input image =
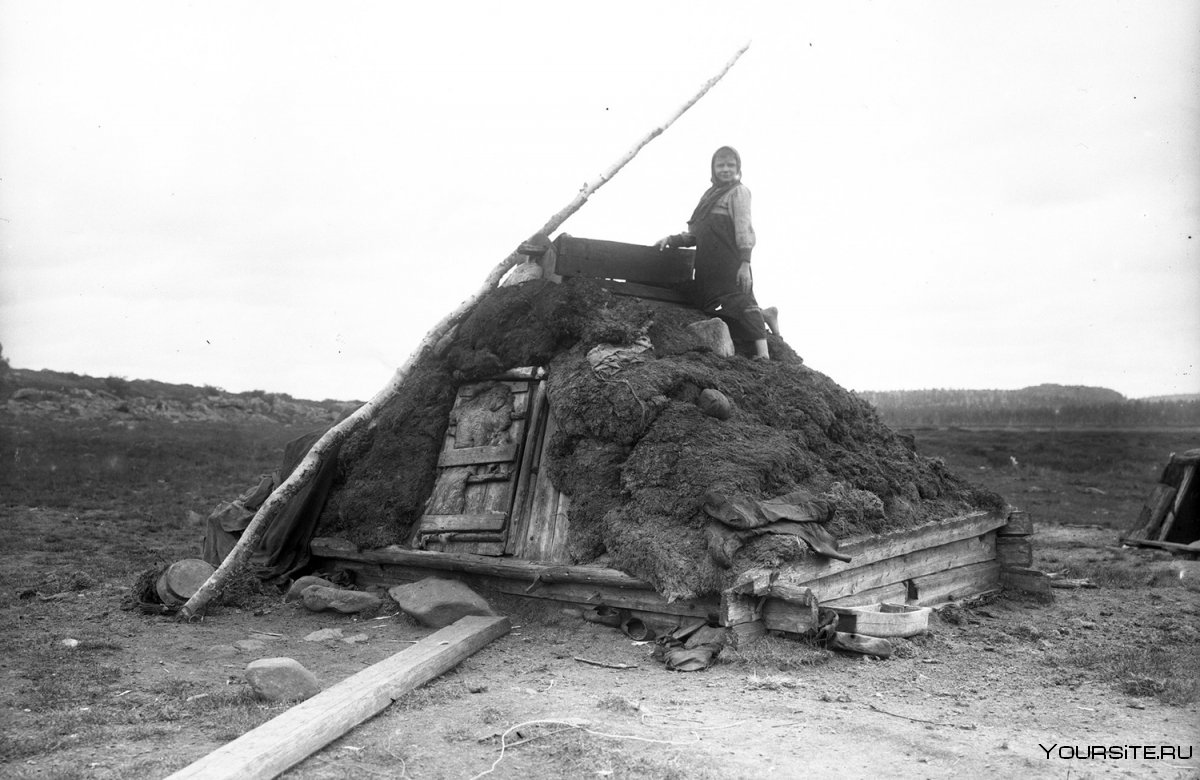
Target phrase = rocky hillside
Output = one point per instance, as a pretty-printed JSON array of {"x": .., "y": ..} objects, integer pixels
[{"x": 67, "y": 396}]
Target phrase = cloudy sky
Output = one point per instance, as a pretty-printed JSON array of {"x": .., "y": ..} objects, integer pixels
[{"x": 287, "y": 195}]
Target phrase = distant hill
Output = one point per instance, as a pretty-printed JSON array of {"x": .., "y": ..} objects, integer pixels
[
  {"x": 1040, "y": 405},
  {"x": 66, "y": 395}
]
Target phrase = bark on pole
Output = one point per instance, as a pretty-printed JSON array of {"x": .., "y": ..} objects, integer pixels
[{"x": 304, "y": 472}]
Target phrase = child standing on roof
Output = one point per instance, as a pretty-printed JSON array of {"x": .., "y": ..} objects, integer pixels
[{"x": 721, "y": 230}]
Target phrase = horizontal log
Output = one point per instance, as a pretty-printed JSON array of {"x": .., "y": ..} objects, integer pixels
[
  {"x": 476, "y": 456},
  {"x": 486, "y": 521},
  {"x": 285, "y": 740},
  {"x": 903, "y": 567},
  {"x": 647, "y": 600},
  {"x": 513, "y": 568},
  {"x": 895, "y": 593},
  {"x": 958, "y": 583},
  {"x": 867, "y": 550}
]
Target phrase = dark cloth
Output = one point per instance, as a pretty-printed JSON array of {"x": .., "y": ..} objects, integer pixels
[
  {"x": 715, "y": 288},
  {"x": 282, "y": 552}
]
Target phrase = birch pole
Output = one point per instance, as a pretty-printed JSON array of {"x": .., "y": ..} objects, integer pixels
[{"x": 307, "y": 468}]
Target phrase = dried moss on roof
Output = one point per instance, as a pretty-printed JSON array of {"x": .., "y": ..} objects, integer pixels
[{"x": 634, "y": 452}]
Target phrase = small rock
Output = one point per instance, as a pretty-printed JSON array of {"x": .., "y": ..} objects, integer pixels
[
  {"x": 221, "y": 651},
  {"x": 281, "y": 679},
  {"x": 324, "y": 634},
  {"x": 250, "y": 646},
  {"x": 297, "y": 590},
  {"x": 713, "y": 334},
  {"x": 355, "y": 639},
  {"x": 319, "y": 598},
  {"x": 439, "y": 602},
  {"x": 714, "y": 403},
  {"x": 70, "y": 643}
]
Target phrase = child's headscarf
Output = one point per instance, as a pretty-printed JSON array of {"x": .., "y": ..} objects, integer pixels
[{"x": 714, "y": 193}]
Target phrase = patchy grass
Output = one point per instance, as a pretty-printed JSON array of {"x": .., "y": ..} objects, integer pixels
[
  {"x": 1166, "y": 672},
  {"x": 778, "y": 653},
  {"x": 1063, "y": 476}
]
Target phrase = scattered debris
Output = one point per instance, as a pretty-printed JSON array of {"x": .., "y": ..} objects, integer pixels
[
  {"x": 605, "y": 665},
  {"x": 250, "y": 645},
  {"x": 857, "y": 643},
  {"x": 324, "y": 634}
]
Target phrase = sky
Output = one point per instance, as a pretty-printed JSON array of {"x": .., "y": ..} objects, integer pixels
[{"x": 288, "y": 196}]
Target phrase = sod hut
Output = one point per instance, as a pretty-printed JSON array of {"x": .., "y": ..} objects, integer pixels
[{"x": 580, "y": 436}]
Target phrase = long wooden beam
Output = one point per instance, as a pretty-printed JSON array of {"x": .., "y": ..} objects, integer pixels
[
  {"x": 286, "y": 740},
  {"x": 514, "y": 568}
]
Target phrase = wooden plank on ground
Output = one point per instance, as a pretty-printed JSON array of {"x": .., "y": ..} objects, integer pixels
[
  {"x": 267, "y": 751},
  {"x": 867, "y": 550}
]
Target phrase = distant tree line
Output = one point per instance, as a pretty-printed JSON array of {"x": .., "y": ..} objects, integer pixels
[{"x": 1041, "y": 406}]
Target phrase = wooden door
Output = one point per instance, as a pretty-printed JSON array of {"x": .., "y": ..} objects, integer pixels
[{"x": 471, "y": 505}]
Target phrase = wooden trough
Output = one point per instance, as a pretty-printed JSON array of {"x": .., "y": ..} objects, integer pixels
[{"x": 495, "y": 521}]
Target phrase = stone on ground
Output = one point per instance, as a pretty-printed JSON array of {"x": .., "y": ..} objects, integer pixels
[
  {"x": 318, "y": 598},
  {"x": 298, "y": 587},
  {"x": 281, "y": 679},
  {"x": 323, "y": 634},
  {"x": 438, "y": 602}
]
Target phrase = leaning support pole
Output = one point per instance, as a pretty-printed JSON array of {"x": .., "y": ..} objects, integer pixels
[
  {"x": 289, "y": 738},
  {"x": 308, "y": 467}
]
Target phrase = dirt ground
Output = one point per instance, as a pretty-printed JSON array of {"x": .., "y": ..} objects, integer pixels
[{"x": 1003, "y": 688}]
